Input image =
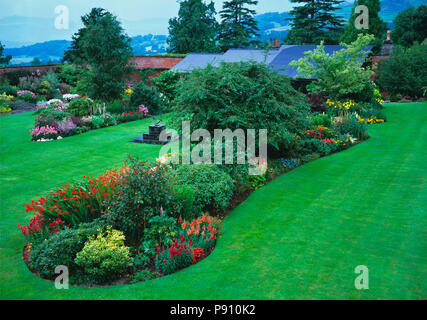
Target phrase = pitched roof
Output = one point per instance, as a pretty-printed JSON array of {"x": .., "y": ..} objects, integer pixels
[
  {"x": 278, "y": 59},
  {"x": 197, "y": 60}
]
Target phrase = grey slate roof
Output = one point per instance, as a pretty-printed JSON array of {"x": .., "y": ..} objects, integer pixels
[
  {"x": 278, "y": 59},
  {"x": 197, "y": 60}
]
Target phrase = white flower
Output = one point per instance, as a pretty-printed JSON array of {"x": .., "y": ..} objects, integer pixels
[{"x": 55, "y": 101}]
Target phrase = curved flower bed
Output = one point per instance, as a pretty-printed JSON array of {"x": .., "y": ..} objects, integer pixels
[{"x": 71, "y": 115}]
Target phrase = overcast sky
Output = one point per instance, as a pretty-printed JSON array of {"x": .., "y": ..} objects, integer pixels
[{"x": 124, "y": 9}]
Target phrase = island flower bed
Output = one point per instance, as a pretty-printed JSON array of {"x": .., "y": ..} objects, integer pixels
[{"x": 71, "y": 115}]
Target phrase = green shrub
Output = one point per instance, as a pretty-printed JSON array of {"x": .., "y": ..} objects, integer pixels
[
  {"x": 61, "y": 249},
  {"x": 115, "y": 107},
  {"x": 167, "y": 84},
  {"x": 341, "y": 75},
  {"x": 69, "y": 74},
  {"x": 149, "y": 97},
  {"x": 162, "y": 230},
  {"x": 183, "y": 202},
  {"x": 322, "y": 120},
  {"x": 104, "y": 258},
  {"x": 52, "y": 112},
  {"x": 8, "y": 89},
  {"x": 402, "y": 74},
  {"x": 243, "y": 95},
  {"x": 144, "y": 190},
  {"x": 81, "y": 107},
  {"x": 14, "y": 76},
  {"x": 213, "y": 188},
  {"x": 352, "y": 126},
  {"x": 315, "y": 146}
]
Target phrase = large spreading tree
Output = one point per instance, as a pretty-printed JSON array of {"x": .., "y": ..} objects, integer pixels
[
  {"x": 376, "y": 25},
  {"x": 410, "y": 26},
  {"x": 4, "y": 60},
  {"x": 314, "y": 21},
  {"x": 238, "y": 25},
  {"x": 195, "y": 28},
  {"x": 103, "y": 47}
]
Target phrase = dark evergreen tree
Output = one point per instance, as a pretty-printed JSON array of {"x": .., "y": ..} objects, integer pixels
[
  {"x": 238, "y": 25},
  {"x": 410, "y": 26},
  {"x": 75, "y": 52},
  {"x": 195, "y": 28},
  {"x": 376, "y": 25},
  {"x": 105, "y": 48},
  {"x": 314, "y": 21},
  {"x": 4, "y": 60}
]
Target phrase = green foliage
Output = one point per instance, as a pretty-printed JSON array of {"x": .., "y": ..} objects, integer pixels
[
  {"x": 70, "y": 74},
  {"x": 167, "y": 84},
  {"x": 4, "y": 60},
  {"x": 104, "y": 258},
  {"x": 149, "y": 97},
  {"x": 102, "y": 44},
  {"x": 183, "y": 200},
  {"x": 315, "y": 21},
  {"x": 162, "y": 230},
  {"x": 352, "y": 126},
  {"x": 410, "y": 26},
  {"x": 238, "y": 24},
  {"x": 143, "y": 275},
  {"x": 81, "y": 107},
  {"x": 340, "y": 75},
  {"x": 115, "y": 107},
  {"x": 14, "y": 76},
  {"x": 6, "y": 87},
  {"x": 51, "y": 78},
  {"x": 55, "y": 114},
  {"x": 315, "y": 146},
  {"x": 377, "y": 26},
  {"x": 403, "y": 73},
  {"x": 143, "y": 192},
  {"x": 194, "y": 29},
  {"x": 322, "y": 120},
  {"x": 61, "y": 249},
  {"x": 243, "y": 96},
  {"x": 212, "y": 187}
]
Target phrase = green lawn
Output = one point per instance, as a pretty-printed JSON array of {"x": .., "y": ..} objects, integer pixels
[{"x": 300, "y": 237}]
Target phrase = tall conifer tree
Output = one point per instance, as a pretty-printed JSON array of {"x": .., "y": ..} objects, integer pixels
[
  {"x": 238, "y": 25},
  {"x": 314, "y": 21},
  {"x": 195, "y": 28}
]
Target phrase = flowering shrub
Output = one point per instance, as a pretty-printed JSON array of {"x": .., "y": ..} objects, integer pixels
[
  {"x": 371, "y": 120},
  {"x": 27, "y": 95},
  {"x": 178, "y": 256},
  {"x": 202, "y": 232},
  {"x": 70, "y": 205},
  {"x": 66, "y": 127},
  {"x": 138, "y": 114},
  {"x": 44, "y": 132}
]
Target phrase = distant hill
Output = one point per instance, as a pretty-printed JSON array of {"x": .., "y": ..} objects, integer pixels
[
  {"x": 16, "y": 31},
  {"x": 53, "y": 51}
]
